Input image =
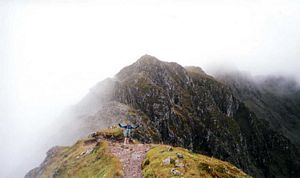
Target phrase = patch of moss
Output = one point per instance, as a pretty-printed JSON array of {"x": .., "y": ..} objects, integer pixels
[{"x": 195, "y": 165}]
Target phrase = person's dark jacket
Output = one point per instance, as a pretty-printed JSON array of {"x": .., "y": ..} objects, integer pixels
[{"x": 127, "y": 129}]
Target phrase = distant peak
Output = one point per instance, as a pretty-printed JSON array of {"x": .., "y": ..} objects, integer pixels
[
  {"x": 148, "y": 59},
  {"x": 147, "y": 56}
]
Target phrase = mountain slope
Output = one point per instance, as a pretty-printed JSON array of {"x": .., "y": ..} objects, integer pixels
[
  {"x": 102, "y": 155},
  {"x": 274, "y": 99},
  {"x": 188, "y": 108}
]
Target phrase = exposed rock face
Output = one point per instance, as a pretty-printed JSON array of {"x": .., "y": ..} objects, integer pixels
[
  {"x": 185, "y": 107},
  {"x": 274, "y": 99}
]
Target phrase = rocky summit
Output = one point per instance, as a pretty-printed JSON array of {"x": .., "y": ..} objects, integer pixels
[{"x": 185, "y": 107}]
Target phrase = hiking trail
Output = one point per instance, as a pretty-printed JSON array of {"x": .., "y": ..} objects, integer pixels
[{"x": 131, "y": 157}]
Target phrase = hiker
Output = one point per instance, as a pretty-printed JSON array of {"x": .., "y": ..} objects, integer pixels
[{"x": 127, "y": 131}]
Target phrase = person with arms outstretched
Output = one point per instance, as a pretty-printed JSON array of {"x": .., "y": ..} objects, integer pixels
[{"x": 127, "y": 131}]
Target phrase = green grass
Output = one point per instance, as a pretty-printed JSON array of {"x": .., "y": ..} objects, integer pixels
[
  {"x": 67, "y": 162},
  {"x": 74, "y": 162},
  {"x": 196, "y": 165}
]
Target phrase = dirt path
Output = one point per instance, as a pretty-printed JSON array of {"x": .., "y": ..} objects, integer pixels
[{"x": 131, "y": 158}]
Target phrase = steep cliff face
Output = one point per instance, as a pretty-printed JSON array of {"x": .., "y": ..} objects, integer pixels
[
  {"x": 274, "y": 99},
  {"x": 186, "y": 107}
]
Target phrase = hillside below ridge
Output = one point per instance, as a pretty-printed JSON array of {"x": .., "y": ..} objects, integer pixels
[
  {"x": 103, "y": 155},
  {"x": 185, "y": 107},
  {"x": 274, "y": 99}
]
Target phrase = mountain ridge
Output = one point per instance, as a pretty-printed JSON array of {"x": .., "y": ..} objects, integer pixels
[{"x": 188, "y": 108}]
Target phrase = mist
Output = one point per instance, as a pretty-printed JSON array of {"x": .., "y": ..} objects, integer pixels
[{"x": 52, "y": 52}]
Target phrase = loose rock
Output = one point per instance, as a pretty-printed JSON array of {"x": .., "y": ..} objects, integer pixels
[
  {"x": 176, "y": 172},
  {"x": 166, "y": 161},
  {"x": 170, "y": 148},
  {"x": 180, "y": 165},
  {"x": 179, "y": 155}
]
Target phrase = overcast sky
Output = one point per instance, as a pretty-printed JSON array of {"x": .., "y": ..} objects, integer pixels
[{"x": 53, "y": 51}]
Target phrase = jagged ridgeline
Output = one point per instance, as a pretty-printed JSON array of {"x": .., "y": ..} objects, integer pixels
[{"x": 186, "y": 107}]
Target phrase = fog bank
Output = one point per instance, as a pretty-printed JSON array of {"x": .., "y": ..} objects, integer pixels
[{"x": 52, "y": 52}]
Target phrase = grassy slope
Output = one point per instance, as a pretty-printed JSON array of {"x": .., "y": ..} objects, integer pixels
[
  {"x": 67, "y": 163},
  {"x": 70, "y": 162},
  {"x": 196, "y": 165}
]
